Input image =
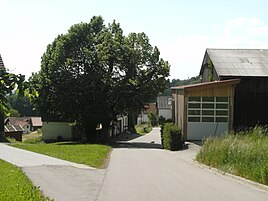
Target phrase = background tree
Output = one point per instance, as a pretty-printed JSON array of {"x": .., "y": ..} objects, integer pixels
[
  {"x": 8, "y": 83},
  {"x": 94, "y": 73},
  {"x": 20, "y": 105},
  {"x": 178, "y": 82}
]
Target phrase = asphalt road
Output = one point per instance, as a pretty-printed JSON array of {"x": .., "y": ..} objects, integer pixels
[
  {"x": 141, "y": 172},
  {"x": 138, "y": 171}
]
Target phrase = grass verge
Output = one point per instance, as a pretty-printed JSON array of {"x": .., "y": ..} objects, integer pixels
[
  {"x": 15, "y": 185},
  {"x": 143, "y": 128},
  {"x": 244, "y": 154},
  {"x": 89, "y": 154}
]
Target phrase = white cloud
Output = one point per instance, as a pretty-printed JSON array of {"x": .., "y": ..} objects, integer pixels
[{"x": 186, "y": 53}]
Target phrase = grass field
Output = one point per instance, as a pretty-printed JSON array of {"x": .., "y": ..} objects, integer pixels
[
  {"x": 15, "y": 185},
  {"x": 244, "y": 154},
  {"x": 93, "y": 155}
]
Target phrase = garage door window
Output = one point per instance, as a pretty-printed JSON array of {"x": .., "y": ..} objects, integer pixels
[{"x": 208, "y": 109}]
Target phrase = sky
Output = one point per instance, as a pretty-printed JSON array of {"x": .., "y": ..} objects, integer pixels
[{"x": 181, "y": 29}]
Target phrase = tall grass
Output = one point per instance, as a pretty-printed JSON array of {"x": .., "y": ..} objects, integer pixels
[{"x": 244, "y": 154}]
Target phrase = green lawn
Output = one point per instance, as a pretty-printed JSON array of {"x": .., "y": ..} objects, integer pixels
[
  {"x": 242, "y": 154},
  {"x": 89, "y": 154},
  {"x": 14, "y": 185}
]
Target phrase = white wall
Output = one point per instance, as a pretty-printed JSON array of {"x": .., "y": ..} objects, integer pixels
[
  {"x": 166, "y": 113},
  {"x": 201, "y": 130},
  {"x": 142, "y": 118},
  {"x": 51, "y": 130}
]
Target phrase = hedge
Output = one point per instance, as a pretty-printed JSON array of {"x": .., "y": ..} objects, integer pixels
[{"x": 171, "y": 137}]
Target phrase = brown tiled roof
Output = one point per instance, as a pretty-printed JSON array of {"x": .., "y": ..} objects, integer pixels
[
  {"x": 23, "y": 121},
  {"x": 18, "y": 120},
  {"x": 36, "y": 121}
]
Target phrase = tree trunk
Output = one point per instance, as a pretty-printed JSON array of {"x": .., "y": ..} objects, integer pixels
[
  {"x": 131, "y": 122},
  {"x": 2, "y": 126},
  {"x": 105, "y": 132},
  {"x": 91, "y": 134}
]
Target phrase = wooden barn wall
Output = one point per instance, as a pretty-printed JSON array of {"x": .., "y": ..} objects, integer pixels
[
  {"x": 219, "y": 91},
  {"x": 251, "y": 103}
]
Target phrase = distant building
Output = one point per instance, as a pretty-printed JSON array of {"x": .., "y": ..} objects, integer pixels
[
  {"x": 164, "y": 106},
  {"x": 143, "y": 117},
  {"x": 28, "y": 124},
  {"x": 14, "y": 132}
]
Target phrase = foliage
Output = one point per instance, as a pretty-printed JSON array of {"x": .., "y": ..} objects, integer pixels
[
  {"x": 21, "y": 104},
  {"x": 143, "y": 128},
  {"x": 88, "y": 154},
  {"x": 94, "y": 73},
  {"x": 15, "y": 185},
  {"x": 153, "y": 118},
  {"x": 14, "y": 113},
  {"x": 171, "y": 137},
  {"x": 178, "y": 82},
  {"x": 8, "y": 83},
  {"x": 244, "y": 154}
]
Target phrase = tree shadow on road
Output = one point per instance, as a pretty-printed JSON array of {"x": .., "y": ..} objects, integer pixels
[{"x": 137, "y": 145}]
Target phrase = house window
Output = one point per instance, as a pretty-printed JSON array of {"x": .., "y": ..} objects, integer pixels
[{"x": 208, "y": 109}]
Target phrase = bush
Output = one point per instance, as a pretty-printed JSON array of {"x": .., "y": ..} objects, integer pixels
[
  {"x": 143, "y": 128},
  {"x": 171, "y": 137},
  {"x": 161, "y": 120},
  {"x": 153, "y": 119}
]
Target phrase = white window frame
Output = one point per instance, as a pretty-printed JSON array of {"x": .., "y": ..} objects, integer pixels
[{"x": 215, "y": 102}]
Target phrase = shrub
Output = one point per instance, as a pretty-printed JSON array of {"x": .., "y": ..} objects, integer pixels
[
  {"x": 161, "y": 120},
  {"x": 143, "y": 128},
  {"x": 153, "y": 119},
  {"x": 171, "y": 137}
]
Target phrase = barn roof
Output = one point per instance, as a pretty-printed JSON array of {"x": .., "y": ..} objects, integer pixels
[
  {"x": 163, "y": 102},
  {"x": 238, "y": 62}
]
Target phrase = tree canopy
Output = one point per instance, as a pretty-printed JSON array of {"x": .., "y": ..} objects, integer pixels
[
  {"x": 8, "y": 83},
  {"x": 94, "y": 73}
]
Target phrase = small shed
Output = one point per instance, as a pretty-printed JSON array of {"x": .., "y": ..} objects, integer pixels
[
  {"x": 14, "y": 131},
  {"x": 204, "y": 109}
]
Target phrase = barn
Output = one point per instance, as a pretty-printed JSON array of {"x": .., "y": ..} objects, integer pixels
[{"x": 236, "y": 79}]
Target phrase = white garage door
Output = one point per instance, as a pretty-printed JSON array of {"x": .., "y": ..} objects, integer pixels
[{"x": 207, "y": 116}]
